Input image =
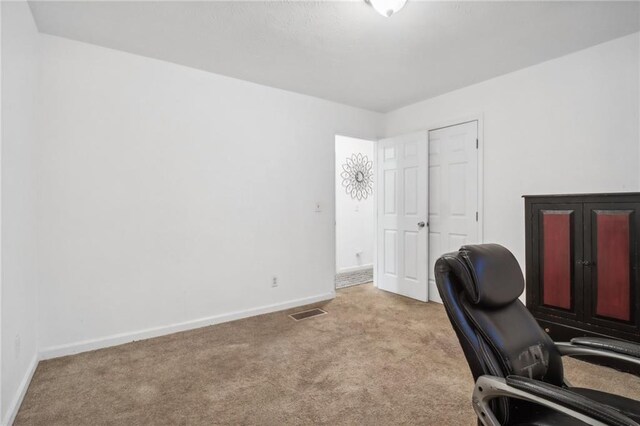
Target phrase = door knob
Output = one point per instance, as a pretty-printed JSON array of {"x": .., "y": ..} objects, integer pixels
[{"x": 421, "y": 225}]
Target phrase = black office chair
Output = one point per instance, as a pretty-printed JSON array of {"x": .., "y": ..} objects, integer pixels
[{"x": 517, "y": 367}]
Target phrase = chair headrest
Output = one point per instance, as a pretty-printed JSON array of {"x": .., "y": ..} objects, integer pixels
[{"x": 495, "y": 274}]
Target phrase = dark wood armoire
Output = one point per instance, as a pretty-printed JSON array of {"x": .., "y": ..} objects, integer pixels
[{"x": 582, "y": 265}]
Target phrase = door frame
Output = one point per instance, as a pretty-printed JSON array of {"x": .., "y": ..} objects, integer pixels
[
  {"x": 374, "y": 141},
  {"x": 479, "y": 117}
]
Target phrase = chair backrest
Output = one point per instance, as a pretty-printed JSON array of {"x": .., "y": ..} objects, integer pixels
[{"x": 479, "y": 286}]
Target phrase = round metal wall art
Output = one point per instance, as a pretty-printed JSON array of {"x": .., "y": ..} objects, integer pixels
[{"x": 357, "y": 176}]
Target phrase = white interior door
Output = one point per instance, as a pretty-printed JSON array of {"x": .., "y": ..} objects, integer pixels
[
  {"x": 453, "y": 192},
  {"x": 402, "y": 214}
]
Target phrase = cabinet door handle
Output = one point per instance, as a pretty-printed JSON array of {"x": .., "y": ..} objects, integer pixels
[{"x": 586, "y": 263}]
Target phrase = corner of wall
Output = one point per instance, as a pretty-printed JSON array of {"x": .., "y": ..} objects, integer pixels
[
  {"x": 19, "y": 86},
  {"x": 16, "y": 402}
]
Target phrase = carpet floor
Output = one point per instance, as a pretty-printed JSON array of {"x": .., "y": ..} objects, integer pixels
[{"x": 375, "y": 359}]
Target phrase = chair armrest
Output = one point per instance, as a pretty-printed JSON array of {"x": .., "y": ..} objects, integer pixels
[
  {"x": 541, "y": 393},
  {"x": 602, "y": 347},
  {"x": 619, "y": 346},
  {"x": 570, "y": 399}
]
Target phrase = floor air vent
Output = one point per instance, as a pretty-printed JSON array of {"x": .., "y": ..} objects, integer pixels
[{"x": 299, "y": 316}]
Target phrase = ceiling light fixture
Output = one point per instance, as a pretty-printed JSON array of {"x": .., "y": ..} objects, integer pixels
[{"x": 387, "y": 8}]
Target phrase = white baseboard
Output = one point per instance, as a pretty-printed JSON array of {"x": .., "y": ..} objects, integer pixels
[
  {"x": 14, "y": 406},
  {"x": 355, "y": 268},
  {"x": 122, "y": 338}
]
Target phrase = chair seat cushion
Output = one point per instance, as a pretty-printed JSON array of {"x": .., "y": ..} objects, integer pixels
[
  {"x": 628, "y": 407},
  {"x": 547, "y": 417},
  {"x": 534, "y": 415}
]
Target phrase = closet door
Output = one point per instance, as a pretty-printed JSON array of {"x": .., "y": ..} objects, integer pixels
[
  {"x": 611, "y": 266},
  {"x": 557, "y": 242}
]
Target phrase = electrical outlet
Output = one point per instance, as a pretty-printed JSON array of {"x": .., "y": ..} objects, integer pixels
[{"x": 274, "y": 282}]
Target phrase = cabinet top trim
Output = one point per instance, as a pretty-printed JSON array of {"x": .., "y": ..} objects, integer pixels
[{"x": 606, "y": 194}]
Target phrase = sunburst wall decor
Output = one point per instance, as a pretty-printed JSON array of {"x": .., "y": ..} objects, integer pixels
[{"x": 357, "y": 176}]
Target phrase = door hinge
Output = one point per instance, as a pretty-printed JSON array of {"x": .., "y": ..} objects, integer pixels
[
  {"x": 477, "y": 143},
  {"x": 476, "y": 216}
]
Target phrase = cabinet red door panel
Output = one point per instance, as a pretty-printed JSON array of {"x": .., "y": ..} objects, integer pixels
[
  {"x": 556, "y": 258},
  {"x": 557, "y": 245},
  {"x": 610, "y": 265},
  {"x": 613, "y": 264}
]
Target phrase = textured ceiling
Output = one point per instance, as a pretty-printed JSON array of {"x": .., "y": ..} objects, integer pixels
[{"x": 345, "y": 51}]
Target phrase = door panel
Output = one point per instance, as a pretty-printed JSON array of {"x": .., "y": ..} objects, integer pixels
[
  {"x": 402, "y": 205},
  {"x": 611, "y": 257},
  {"x": 390, "y": 251},
  {"x": 389, "y": 191},
  {"x": 557, "y": 261},
  {"x": 411, "y": 260},
  {"x": 557, "y": 242},
  {"x": 613, "y": 267},
  {"x": 453, "y": 192}
]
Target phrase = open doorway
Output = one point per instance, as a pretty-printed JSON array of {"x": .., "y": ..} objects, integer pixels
[{"x": 355, "y": 211}]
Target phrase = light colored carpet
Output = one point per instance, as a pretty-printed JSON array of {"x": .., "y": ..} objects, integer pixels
[{"x": 375, "y": 359}]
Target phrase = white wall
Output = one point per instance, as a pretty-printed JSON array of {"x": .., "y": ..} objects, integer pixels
[
  {"x": 20, "y": 45},
  {"x": 355, "y": 226},
  {"x": 564, "y": 126},
  {"x": 170, "y": 195}
]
